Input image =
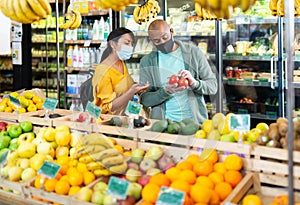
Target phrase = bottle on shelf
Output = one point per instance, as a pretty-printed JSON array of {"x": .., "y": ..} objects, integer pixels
[
  {"x": 75, "y": 56},
  {"x": 90, "y": 28},
  {"x": 86, "y": 58},
  {"x": 106, "y": 28},
  {"x": 70, "y": 56},
  {"x": 85, "y": 30},
  {"x": 75, "y": 107},
  {"x": 92, "y": 55},
  {"x": 80, "y": 58},
  {"x": 95, "y": 30},
  {"x": 79, "y": 32},
  {"x": 69, "y": 35},
  {"x": 101, "y": 28}
]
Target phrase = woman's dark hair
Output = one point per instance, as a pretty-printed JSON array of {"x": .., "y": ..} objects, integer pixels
[{"x": 115, "y": 35}]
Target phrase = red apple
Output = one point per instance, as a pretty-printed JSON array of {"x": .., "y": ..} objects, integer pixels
[
  {"x": 128, "y": 201},
  {"x": 165, "y": 162},
  {"x": 133, "y": 165},
  {"x": 3, "y": 126},
  {"x": 143, "y": 180}
]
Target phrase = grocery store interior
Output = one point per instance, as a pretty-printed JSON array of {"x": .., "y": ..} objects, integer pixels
[{"x": 247, "y": 151}]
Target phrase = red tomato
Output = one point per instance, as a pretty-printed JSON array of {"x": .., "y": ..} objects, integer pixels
[
  {"x": 173, "y": 79},
  {"x": 183, "y": 82}
]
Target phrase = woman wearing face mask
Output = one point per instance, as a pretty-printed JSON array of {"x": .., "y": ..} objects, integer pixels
[
  {"x": 113, "y": 87},
  {"x": 175, "y": 101}
]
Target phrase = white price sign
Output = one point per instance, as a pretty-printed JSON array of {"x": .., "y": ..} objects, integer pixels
[
  {"x": 17, "y": 53},
  {"x": 16, "y": 31}
]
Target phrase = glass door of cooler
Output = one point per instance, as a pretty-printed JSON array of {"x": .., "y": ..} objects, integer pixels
[{"x": 181, "y": 16}]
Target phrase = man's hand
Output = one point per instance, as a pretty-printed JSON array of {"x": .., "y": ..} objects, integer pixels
[
  {"x": 186, "y": 74},
  {"x": 173, "y": 88}
]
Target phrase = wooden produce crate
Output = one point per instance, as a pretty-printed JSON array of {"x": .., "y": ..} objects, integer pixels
[
  {"x": 68, "y": 120},
  {"x": 37, "y": 117},
  {"x": 272, "y": 166},
  {"x": 105, "y": 128},
  {"x": 16, "y": 187},
  {"x": 251, "y": 184},
  {"x": 30, "y": 191},
  {"x": 9, "y": 117},
  {"x": 12, "y": 198}
]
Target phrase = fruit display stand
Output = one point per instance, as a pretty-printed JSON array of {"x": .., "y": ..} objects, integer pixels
[
  {"x": 272, "y": 166},
  {"x": 251, "y": 184},
  {"x": 37, "y": 117},
  {"x": 9, "y": 117}
]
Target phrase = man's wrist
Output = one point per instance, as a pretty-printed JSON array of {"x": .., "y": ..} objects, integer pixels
[{"x": 195, "y": 84}]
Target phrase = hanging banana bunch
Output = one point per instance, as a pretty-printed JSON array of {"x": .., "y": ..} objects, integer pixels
[
  {"x": 25, "y": 11},
  {"x": 220, "y": 9},
  {"x": 146, "y": 11},
  {"x": 73, "y": 21},
  {"x": 116, "y": 5},
  {"x": 277, "y": 7}
]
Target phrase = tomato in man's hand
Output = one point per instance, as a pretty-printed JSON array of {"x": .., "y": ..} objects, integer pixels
[
  {"x": 183, "y": 82},
  {"x": 173, "y": 79}
]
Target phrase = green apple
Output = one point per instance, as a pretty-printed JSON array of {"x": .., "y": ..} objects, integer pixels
[
  {"x": 26, "y": 137},
  {"x": 4, "y": 142},
  {"x": 137, "y": 155},
  {"x": 97, "y": 197},
  {"x": 133, "y": 175},
  {"x": 23, "y": 163},
  {"x": 100, "y": 186},
  {"x": 4, "y": 133},
  {"x": 109, "y": 200},
  {"x": 45, "y": 148},
  {"x": 15, "y": 173},
  {"x": 85, "y": 194},
  {"x": 14, "y": 131},
  {"x": 26, "y": 126},
  {"x": 135, "y": 190},
  {"x": 154, "y": 153}
]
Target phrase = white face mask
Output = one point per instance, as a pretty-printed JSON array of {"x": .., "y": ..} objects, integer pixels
[{"x": 125, "y": 52}]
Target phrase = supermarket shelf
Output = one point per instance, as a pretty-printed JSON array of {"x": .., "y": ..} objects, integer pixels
[
  {"x": 5, "y": 55},
  {"x": 45, "y": 41},
  {"x": 44, "y": 56},
  {"x": 6, "y": 70},
  {"x": 95, "y": 13},
  {"x": 255, "y": 83},
  {"x": 263, "y": 117},
  {"x": 83, "y": 41},
  {"x": 72, "y": 95},
  {"x": 71, "y": 69},
  {"x": 180, "y": 33}
]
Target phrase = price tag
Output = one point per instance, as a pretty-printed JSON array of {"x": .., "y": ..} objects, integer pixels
[
  {"x": 133, "y": 108},
  {"x": 239, "y": 122},
  {"x": 242, "y": 111},
  {"x": 15, "y": 101},
  {"x": 49, "y": 169},
  {"x": 50, "y": 104},
  {"x": 87, "y": 43},
  {"x": 272, "y": 115},
  {"x": 169, "y": 196},
  {"x": 3, "y": 158},
  {"x": 93, "y": 110},
  {"x": 118, "y": 187}
]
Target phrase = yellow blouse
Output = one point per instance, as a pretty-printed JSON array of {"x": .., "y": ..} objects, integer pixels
[{"x": 108, "y": 84}]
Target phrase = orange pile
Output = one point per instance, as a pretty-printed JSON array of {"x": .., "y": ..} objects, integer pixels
[{"x": 202, "y": 178}]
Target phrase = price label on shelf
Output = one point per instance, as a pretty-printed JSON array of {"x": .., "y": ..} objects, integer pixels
[
  {"x": 118, "y": 187},
  {"x": 50, "y": 104},
  {"x": 169, "y": 196},
  {"x": 239, "y": 122},
  {"x": 15, "y": 101},
  {"x": 49, "y": 169},
  {"x": 87, "y": 43},
  {"x": 93, "y": 110}
]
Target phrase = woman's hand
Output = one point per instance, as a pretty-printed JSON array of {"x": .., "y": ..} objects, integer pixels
[{"x": 139, "y": 88}]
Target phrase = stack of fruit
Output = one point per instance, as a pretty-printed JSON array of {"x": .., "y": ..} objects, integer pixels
[
  {"x": 146, "y": 11},
  {"x": 26, "y": 11},
  {"x": 28, "y": 100},
  {"x": 203, "y": 179},
  {"x": 97, "y": 151},
  {"x": 11, "y": 136},
  {"x": 220, "y": 9}
]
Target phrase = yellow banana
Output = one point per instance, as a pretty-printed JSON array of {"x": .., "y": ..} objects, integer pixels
[
  {"x": 214, "y": 4},
  {"x": 19, "y": 13},
  {"x": 136, "y": 12},
  {"x": 68, "y": 22},
  {"x": 297, "y": 8},
  {"x": 97, "y": 139},
  {"x": 280, "y": 8},
  {"x": 106, "y": 153},
  {"x": 205, "y": 14},
  {"x": 87, "y": 158},
  {"x": 203, "y": 3},
  {"x": 102, "y": 172},
  {"x": 142, "y": 14},
  {"x": 28, "y": 11},
  {"x": 37, "y": 8},
  {"x": 245, "y": 5},
  {"x": 77, "y": 21},
  {"x": 46, "y": 5},
  {"x": 234, "y": 3},
  {"x": 94, "y": 165},
  {"x": 198, "y": 10},
  {"x": 228, "y": 12},
  {"x": 273, "y": 6},
  {"x": 118, "y": 169},
  {"x": 89, "y": 149},
  {"x": 10, "y": 10},
  {"x": 112, "y": 161},
  {"x": 4, "y": 9}
]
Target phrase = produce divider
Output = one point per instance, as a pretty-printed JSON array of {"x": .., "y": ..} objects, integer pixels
[{"x": 262, "y": 165}]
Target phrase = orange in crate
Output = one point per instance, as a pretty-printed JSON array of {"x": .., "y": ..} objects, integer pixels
[
  {"x": 62, "y": 187},
  {"x": 220, "y": 167},
  {"x": 216, "y": 177},
  {"x": 50, "y": 185},
  {"x": 223, "y": 189},
  {"x": 200, "y": 194},
  {"x": 193, "y": 158},
  {"x": 181, "y": 185},
  {"x": 150, "y": 192},
  {"x": 73, "y": 190},
  {"x": 160, "y": 180},
  {"x": 233, "y": 177},
  {"x": 203, "y": 168},
  {"x": 188, "y": 175},
  {"x": 88, "y": 177},
  {"x": 173, "y": 173},
  {"x": 205, "y": 181},
  {"x": 184, "y": 165},
  {"x": 233, "y": 162},
  {"x": 75, "y": 178}
]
